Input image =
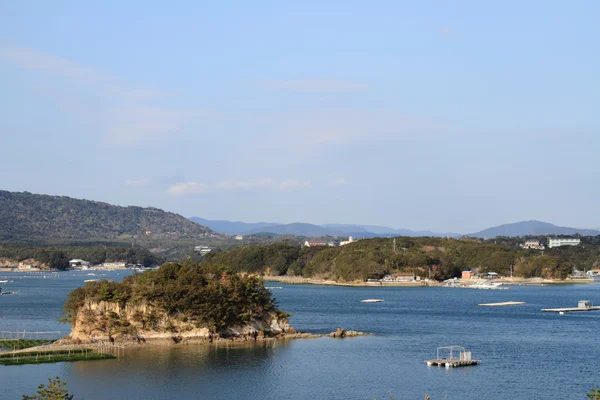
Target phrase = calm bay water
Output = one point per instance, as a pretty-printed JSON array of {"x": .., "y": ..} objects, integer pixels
[{"x": 526, "y": 354}]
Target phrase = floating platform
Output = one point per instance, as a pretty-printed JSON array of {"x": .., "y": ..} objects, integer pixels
[
  {"x": 505, "y": 303},
  {"x": 584, "y": 305},
  {"x": 451, "y": 362},
  {"x": 372, "y": 301},
  {"x": 463, "y": 359},
  {"x": 571, "y": 309}
]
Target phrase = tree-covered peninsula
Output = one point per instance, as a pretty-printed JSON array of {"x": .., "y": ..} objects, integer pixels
[
  {"x": 437, "y": 258},
  {"x": 176, "y": 302}
]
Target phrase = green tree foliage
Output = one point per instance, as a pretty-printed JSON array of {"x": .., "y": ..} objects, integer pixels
[
  {"x": 56, "y": 389},
  {"x": 59, "y": 256},
  {"x": 205, "y": 296},
  {"x": 594, "y": 394},
  {"x": 438, "y": 258}
]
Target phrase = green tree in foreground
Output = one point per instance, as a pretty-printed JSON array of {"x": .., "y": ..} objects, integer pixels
[
  {"x": 594, "y": 394},
  {"x": 55, "y": 390}
]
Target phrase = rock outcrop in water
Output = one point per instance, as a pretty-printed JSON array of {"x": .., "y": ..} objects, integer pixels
[
  {"x": 342, "y": 333},
  {"x": 177, "y": 303}
]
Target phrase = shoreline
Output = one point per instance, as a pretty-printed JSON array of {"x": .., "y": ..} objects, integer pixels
[
  {"x": 299, "y": 280},
  {"x": 67, "y": 344}
]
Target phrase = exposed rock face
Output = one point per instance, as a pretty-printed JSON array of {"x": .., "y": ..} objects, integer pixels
[
  {"x": 101, "y": 321},
  {"x": 341, "y": 333}
]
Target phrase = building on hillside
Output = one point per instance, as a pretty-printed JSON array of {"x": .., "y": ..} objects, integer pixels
[
  {"x": 345, "y": 242},
  {"x": 467, "y": 274},
  {"x": 557, "y": 242},
  {"x": 315, "y": 243},
  {"x": 333, "y": 244},
  {"x": 77, "y": 263},
  {"x": 203, "y": 250},
  {"x": 239, "y": 237},
  {"x": 533, "y": 244}
]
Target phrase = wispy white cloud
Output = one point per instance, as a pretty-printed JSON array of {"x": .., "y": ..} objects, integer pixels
[
  {"x": 131, "y": 124},
  {"x": 338, "y": 182},
  {"x": 298, "y": 132},
  {"x": 315, "y": 85},
  {"x": 137, "y": 182},
  {"x": 127, "y": 112},
  {"x": 292, "y": 184},
  {"x": 36, "y": 60},
  {"x": 197, "y": 188}
]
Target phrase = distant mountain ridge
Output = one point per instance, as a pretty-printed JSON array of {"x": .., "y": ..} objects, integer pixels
[
  {"x": 523, "y": 228},
  {"x": 531, "y": 228},
  {"x": 311, "y": 230},
  {"x": 232, "y": 227},
  {"x": 38, "y": 216}
]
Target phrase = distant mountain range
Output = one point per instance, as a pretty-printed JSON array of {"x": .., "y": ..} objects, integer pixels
[
  {"x": 28, "y": 216},
  {"x": 524, "y": 228},
  {"x": 311, "y": 230},
  {"x": 532, "y": 228}
]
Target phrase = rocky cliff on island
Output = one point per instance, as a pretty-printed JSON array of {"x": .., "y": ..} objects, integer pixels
[{"x": 176, "y": 303}]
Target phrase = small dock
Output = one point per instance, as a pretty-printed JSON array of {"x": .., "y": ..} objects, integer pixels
[
  {"x": 463, "y": 360},
  {"x": 583, "y": 305},
  {"x": 451, "y": 363}
]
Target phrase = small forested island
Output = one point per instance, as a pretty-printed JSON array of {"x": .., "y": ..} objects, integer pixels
[{"x": 178, "y": 302}]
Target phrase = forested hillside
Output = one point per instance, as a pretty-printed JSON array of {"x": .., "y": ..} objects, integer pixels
[
  {"x": 59, "y": 256},
  {"x": 436, "y": 257},
  {"x": 30, "y": 217}
]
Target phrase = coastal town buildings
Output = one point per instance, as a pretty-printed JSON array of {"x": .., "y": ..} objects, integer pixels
[
  {"x": 28, "y": 267},
  {"x": 400, "y": 277},
  {"x": 114, "y": 265},
  {"x": 533, "y": 244},
  {"x": 492, "y": 275},
  {"x": 239, "y": 237},
  {"x": 77, "y": 263},
  {"x": 557, "y": 242},
  {"x": 467, "y": 274}
]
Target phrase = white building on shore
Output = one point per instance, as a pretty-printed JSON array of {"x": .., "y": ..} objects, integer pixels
[{"x": 77, "y": 263}]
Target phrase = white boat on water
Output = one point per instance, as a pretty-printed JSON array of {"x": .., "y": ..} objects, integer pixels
[
  {"x": 3, "y": 281},
  {"x": 372, "y": 301}
]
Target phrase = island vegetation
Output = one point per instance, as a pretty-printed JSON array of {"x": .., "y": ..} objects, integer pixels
[
  {"x": 178, "y": 299},
  {"x": 435, "y": 258}
]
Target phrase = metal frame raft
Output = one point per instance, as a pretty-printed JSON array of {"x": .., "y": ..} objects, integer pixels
[{"x": 463, "y": 359}]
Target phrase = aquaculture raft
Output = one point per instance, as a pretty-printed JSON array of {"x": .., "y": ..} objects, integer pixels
[
  {"x": 463, "y": 359},
  {"x": 583, "y": 305}
]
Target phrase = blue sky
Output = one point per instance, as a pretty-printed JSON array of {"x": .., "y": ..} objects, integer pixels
[{"x": 450, "y": 116}]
